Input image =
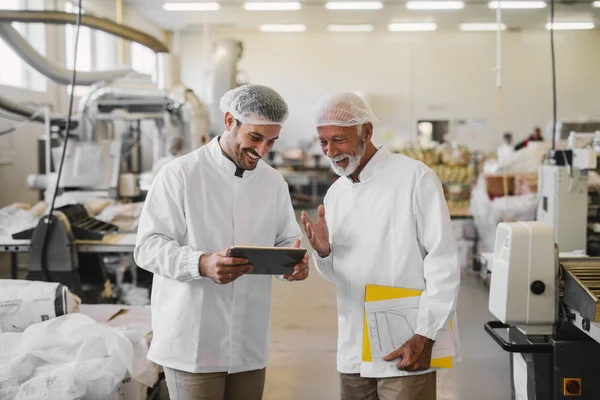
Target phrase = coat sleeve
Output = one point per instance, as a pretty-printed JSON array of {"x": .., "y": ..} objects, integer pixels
[
  {"x": 162, "y": 229},
  {"x": 288, "y": 229},
  {"x": 440, "y": 264}
]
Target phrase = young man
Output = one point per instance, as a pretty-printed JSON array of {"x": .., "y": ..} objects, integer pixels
[
  {"x": 210, "y": 320},
  {"x": 385, "y": 222}
]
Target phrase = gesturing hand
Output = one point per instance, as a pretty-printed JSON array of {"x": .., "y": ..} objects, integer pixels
[
  {"x": 300, "y": 269},
  {"x": 318, "y": 234},
  {"x": 222, "y": 269},
  {"x": 415, "y": 354}
]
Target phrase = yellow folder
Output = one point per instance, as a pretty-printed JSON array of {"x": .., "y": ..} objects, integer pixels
[{"x": 378, "y": 293}]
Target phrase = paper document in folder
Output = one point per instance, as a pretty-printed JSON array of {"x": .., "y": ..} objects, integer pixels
[{"x": 390, "y": 320}]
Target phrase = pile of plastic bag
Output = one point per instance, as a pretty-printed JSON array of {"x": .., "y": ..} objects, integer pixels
[
  {"x": 50, "y": 351},
  {"x": 487, "y": 214},
  {"x": 71, "y": 357}
]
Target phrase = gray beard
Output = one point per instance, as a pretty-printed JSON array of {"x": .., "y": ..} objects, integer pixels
[{"x": 353, "y": 161}]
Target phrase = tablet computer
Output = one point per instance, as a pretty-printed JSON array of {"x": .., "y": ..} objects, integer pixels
[{"x": 269, "y": 260}]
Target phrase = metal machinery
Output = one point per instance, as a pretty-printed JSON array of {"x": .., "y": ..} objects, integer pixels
[
  {"x": 549, "y": 304},
  {"x": 118, "y": 132},
  {"x": 547, "y": 299},
  {"x": 563, "y": 191}
]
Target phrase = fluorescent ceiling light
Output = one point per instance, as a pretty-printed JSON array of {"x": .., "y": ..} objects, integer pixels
[
  {"x": 350, "y": 28},
  {"x": 481, "y": 26},
  {"x": 435, "y": 5},
  {"x": 567, "y": 26},
  {"x": 413, "y": 27},
  {"x": 191, "y": 6},
  {"x": 597, "y": 4},
  {"x": 273, "y": 6},
  {"x": 282, "y": 28},
  {"x": 354, "y": 5},
  {"x": 517, "y": 4}
]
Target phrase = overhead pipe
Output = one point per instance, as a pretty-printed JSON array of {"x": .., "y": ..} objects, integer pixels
[
  {"x": 28, "y": 112},
  {"x": 102, "y": 24},
  {"x": 49, "y": 69}
]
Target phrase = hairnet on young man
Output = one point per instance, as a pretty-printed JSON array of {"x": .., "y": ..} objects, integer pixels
[
  {"x": 343, "y": 109},
  {"x": 255, "y": 105}
]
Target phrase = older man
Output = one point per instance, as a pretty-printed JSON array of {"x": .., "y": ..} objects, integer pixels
[
  {"x": 385, "y": 222},
  {"x": 210, "y": 320}
]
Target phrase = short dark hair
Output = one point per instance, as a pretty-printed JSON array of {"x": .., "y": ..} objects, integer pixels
[{"x": 507, "y": 136}]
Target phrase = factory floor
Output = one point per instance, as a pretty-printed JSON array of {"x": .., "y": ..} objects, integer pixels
[{"x": 302, "y": 363}]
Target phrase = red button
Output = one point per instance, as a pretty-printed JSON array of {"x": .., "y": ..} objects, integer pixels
[{"x": 573, "y": 387}]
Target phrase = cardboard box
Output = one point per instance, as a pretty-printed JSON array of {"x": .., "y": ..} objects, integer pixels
[
  {"x": 496, "y": 184},
  {"x": 516, "y": 184}
]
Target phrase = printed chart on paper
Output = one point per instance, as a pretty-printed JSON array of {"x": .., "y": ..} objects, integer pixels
[{"x": 390, "y": 324}]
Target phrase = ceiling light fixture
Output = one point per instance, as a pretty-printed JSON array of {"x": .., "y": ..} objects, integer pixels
[
  {"x": 354, "y": 5},
  {"x": 435, "y": 5},
  {"x": 282, "y": 28},
  {"x": 514, "y": 5},
  {"x": 412, "y": 27},
  {"x": 570, "y": 26}
]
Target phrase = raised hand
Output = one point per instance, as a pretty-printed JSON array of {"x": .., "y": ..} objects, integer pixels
[{"x": 317, "y": 233}]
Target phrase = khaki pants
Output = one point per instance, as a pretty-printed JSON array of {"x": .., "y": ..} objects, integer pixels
[
  {"x": 215, "y": 386},
  {"x": 413, "y": 387}
]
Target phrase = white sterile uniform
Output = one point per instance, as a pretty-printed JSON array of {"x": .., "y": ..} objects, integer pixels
[
  {"x": 197, "y": 205},
  {"x": 391, "y": 229}
]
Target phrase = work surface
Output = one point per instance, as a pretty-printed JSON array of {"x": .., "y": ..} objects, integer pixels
[{"x": 110, "y": 243}]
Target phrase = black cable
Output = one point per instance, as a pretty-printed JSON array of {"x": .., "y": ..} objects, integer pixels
[
  {"x": 553, "y": 75},
  {"x": 50, "y": 219}
]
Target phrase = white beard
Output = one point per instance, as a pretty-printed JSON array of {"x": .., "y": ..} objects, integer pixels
[{"x": 353, "y": 162}]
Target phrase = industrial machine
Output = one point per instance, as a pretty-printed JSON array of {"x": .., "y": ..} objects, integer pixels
[
  {"x": 550, "y": 307},
  {"x": 563, "y": 191}
]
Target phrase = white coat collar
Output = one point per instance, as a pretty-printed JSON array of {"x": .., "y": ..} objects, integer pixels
[
  {"x": 224, "y": 162},
  {"x": 373, "y": 165}
]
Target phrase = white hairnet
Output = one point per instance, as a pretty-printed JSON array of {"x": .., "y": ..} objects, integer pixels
[
  {"x": 344, "y": 109},
  {"x": 255, "y": 105}
]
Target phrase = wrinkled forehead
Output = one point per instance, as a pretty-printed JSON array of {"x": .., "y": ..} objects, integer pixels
[{"x": 331, "y": 131}]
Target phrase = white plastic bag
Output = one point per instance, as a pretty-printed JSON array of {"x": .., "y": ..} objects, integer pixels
[
  {"x": 23, "y": 303},
  {"x": 72, "y": 357}
]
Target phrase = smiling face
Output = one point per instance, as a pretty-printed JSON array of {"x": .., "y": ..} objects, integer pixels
[
  {"x": 344, "y": 146},
  {"x": 247, "y": 144}
]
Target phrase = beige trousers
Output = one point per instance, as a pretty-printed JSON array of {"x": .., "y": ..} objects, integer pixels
[
  {"x": 215, "y": 386},
  {"x": 413, "y": 387}
]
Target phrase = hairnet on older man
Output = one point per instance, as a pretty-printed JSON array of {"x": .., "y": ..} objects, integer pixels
[
  {"x": 343, "y": 109},
  {"x": 255, "y": 105}
]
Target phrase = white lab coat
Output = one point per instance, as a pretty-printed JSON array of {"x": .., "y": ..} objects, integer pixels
[
  {"x": 162, "y": 162},
  {"x": 504, "y": 152},
  {"x": 392, "y": 229},
  {"x": 197, "y": 205}
]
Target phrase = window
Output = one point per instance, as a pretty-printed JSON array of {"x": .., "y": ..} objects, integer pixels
[
  {"x": 84, "y": 50},
  {"x": 14, "y": 71},
  {"x": 96, "y": 50},
  {"x": 143, "y": 60}
]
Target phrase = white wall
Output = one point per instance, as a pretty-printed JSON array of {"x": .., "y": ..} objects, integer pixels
[{"x": 406, "y": 77}]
